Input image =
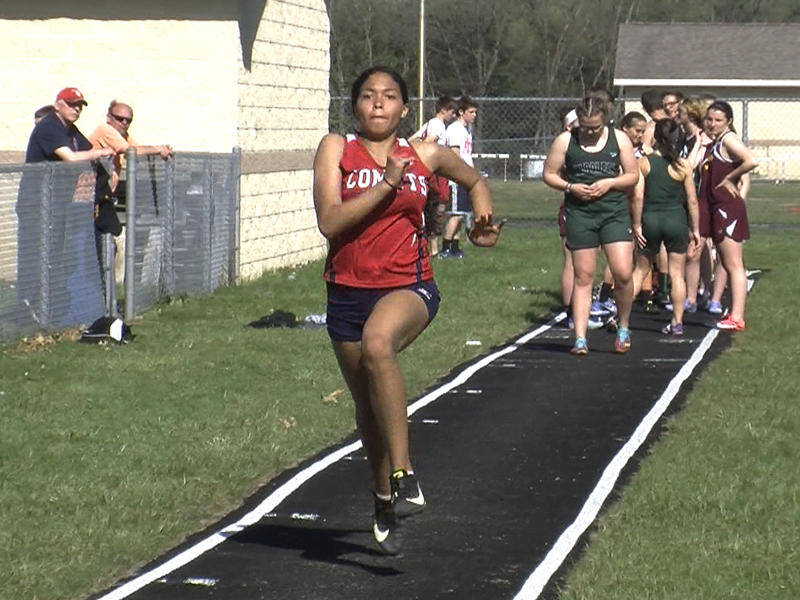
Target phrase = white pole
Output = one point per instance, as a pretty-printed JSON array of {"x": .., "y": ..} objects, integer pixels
[{"x": 421, "y": 61}]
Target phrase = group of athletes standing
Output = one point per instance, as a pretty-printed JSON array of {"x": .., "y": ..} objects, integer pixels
[{"x": 653, "y": 192}]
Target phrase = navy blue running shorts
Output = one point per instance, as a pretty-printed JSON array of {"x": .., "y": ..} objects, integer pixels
[{"x": 350, "y": 307}]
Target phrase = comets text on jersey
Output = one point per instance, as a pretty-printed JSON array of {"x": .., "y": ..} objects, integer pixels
[{"x": 366, "y": 178}]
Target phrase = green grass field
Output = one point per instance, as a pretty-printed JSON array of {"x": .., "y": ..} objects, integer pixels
[{"x": 111, "y": 455}]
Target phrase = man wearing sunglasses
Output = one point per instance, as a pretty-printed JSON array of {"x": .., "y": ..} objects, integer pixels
[{"x": 114, "y": 134}]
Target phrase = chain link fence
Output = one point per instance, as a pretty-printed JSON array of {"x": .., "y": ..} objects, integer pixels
[
  {"x": 49, "y": 268},
  {"x": 183, "y": 226},
  {"x": 180, "y": 238},
  {"x": 516, "y": 133}
]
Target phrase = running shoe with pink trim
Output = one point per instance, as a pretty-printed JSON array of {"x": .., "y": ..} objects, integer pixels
[{"x": 731, "y": 324}]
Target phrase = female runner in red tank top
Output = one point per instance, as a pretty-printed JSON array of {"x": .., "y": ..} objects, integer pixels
[
  {"x": 370, "y": 191},
  {"x": 726, "y": 160}
]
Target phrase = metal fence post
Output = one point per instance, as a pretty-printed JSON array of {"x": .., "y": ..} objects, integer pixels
[
  {"x": 109, "y": 279},
  {"x": 168, "y": 228},
  {"x": 48, "y": 177},
  {"x": 745, "y": 119},
  {"x": 208, "y": 230},
  {"x": 236, "y": 173},
  {"x": 130, "y": 233}
]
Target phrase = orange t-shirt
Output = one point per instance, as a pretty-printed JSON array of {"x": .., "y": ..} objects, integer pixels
[{"x": 105, "y": 136}]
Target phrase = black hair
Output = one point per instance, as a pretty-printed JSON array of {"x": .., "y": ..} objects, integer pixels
[
  {"x": 722, "y": 107},
  {"x": 355, "y": 90},
  {"x": 651, "y": 100},
  {"x": 446, "y": 103},
  {"x": 678, "y": 95},
  {"x": 664, "y": 136},
  {"x": 630, "y": 118},
  {"x": 465, "y": 103}
]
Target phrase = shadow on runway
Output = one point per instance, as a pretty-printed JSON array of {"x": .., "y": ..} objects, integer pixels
[{"x": 316, "y": 542}]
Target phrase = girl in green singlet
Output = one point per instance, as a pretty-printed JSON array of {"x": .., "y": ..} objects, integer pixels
[
  {"x": 593, "y": 165},
  {"x": 665, "y": 212}
]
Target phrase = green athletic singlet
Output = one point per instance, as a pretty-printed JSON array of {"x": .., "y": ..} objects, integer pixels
[
  {"x": 664, "y": 218},
  {"x": 590, "y": 224}
]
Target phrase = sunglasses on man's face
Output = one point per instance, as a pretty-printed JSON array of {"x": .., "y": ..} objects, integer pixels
[
  {"x": 121, "y": 119},
  {"x": 78, "y": 105}
]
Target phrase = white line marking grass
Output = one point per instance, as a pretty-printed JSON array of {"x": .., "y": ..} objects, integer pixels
[
  {"x": 275, "y": 498},
  {"x": 566, "y": 542}
]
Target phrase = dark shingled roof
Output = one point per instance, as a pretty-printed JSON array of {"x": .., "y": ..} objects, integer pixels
[{"x": 708, "y": 51}]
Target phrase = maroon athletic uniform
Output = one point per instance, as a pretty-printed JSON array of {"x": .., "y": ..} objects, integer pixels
[
  {"x": 388, "y": 248},
  {"x": 727, "y": 211}
]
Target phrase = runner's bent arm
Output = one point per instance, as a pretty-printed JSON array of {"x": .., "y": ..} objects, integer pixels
[
  {"x": 441, "y": 160},
  {"x": 738, "y": 151},
  {"x": 334, "y": 216}
]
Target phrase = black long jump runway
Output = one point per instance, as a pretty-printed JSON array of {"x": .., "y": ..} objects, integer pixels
[{"x": 510, "y": 460}]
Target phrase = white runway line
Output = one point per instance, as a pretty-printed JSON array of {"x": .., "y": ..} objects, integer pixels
[
  {"x": 275, "y": 498},
  {"x": 566, "y": 542}
]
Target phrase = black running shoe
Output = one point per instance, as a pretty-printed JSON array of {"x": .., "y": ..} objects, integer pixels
[
  {"x": 651, "y": 308},
  {"x": 386, "y": 528},
  {"x": 407, "y": 498}
]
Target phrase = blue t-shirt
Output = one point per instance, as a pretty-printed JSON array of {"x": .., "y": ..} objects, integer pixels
[{"x": 50, "y": 134}]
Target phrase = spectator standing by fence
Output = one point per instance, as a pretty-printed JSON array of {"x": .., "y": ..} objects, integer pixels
[
  {"x": 54, "y": 138},
  {"x": 459, "y": 139},
  {"x": 114, "y": 134}
]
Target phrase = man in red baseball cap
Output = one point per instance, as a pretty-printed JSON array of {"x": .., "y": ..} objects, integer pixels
[
  {"x": 56, "y": 137},
  {"x": 70, "y": 95}
]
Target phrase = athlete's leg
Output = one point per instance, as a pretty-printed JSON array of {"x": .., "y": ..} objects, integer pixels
[
  {"x": 662, "y": 264},
  {"x": 641, "y": 271},
  {"x": 567, "y": 275},
  {"x": 677, "y": 292},
  {"x": 730, "y": 252},
  {"x": 693, "y": 265},
  {"x": 584, "y": 262},
  {"x": 349, "y": 356},
  {"x": 707, "y": 267},
  {"x": 720, "y": 282},
  {"x": 397, "y": 319},
  {"x": 619, "y": 256}
]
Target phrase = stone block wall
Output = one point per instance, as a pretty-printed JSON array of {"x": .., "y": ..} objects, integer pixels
[{"x": 283, "y": 111}]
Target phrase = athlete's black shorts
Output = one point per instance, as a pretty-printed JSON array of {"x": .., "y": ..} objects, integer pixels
[{"x": 350, "y": 307}]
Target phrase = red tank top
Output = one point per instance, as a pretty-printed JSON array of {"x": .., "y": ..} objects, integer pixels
[
  {"x": 714, "y": 169},
  {"x": 388, "y": 248}
]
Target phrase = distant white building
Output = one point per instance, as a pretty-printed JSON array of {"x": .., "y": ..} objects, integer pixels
[{"x": 754, "y": 66}]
